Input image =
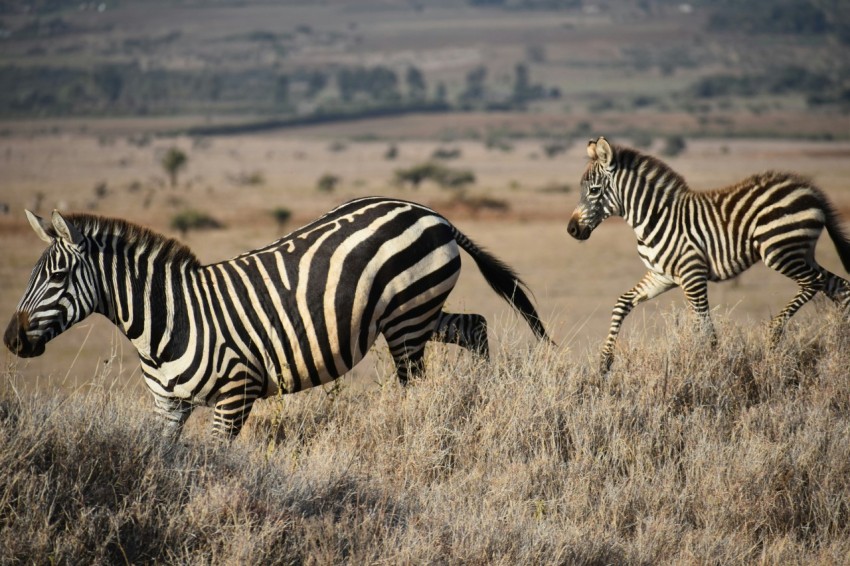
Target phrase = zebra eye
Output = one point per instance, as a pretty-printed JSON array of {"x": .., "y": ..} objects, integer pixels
[
  {"x": 57, "y": 277},
  {"x": 594, "y": 190}
]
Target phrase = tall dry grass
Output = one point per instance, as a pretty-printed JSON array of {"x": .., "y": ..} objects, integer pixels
[{"x": 682, "y": 455}]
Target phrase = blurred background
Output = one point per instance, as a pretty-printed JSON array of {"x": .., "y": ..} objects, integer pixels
[{"x": 227, "y": 124}]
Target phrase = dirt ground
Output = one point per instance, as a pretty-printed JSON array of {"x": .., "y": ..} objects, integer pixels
[{"x": 575, "y": 284}]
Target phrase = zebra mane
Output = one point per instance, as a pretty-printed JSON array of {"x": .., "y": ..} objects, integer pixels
[
  {"x": 630, "y": 158},
  {"x": 133, "y": 235}
]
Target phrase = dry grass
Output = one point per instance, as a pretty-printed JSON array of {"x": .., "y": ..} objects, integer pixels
[{"x": 738, "y": 455}]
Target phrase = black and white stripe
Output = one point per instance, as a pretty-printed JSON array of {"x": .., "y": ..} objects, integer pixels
[
  {"x": 297, "y": 313},
  {"x": 689, "y": 238}
]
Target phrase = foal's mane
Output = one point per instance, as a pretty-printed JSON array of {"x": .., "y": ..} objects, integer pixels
[
  {"x": 133, "y": 235},
  {"x": 632, "y": 159}
]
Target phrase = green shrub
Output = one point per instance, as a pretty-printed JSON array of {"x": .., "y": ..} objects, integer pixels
[
  {"x": 327, "y": 183},
  {"x": 191, "y": 219},
  {"x": 281, "y": 215}
]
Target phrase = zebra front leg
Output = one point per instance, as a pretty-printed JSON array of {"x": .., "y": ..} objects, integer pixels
[
  {"x": 466, "y": 330},
  {"x": 695, "y": 287},
  {"x": 650, "y": 286},
  {"x": 174, "y": 413}
]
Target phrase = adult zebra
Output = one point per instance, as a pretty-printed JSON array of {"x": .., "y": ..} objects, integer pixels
[
  {"x": 297, "y": 313},
  {"x": 688, "y": 238}
]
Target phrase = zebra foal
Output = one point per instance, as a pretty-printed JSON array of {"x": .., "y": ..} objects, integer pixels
[
  {"x": 687, "y": 238},
  {"x": 295, "y": 314}
]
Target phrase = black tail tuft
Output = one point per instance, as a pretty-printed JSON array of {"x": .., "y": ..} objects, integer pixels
[{"x": 504, "y": 281}]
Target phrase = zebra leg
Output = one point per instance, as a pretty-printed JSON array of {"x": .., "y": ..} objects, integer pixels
[
  {"x": 695, "y": 287},
  {"x": 231, "y": 411},
  {"x": 838, "y": 289},
  {"x": 174, "y": 413},
  {"x": 650, "y": 286},
  {"x": 466, "y": 330},
  {"x": 406, "y": 341},
  {"x": 810, "y": 279},
  {"x": 409, "y": 364}
]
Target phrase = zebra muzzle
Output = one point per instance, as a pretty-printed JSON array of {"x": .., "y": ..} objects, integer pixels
[
  {"x": 16, "y": 338},
  {"x": 577, "y": 230}
]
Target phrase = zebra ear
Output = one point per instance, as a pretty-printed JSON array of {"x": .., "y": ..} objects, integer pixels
[
  {"x": 41, "y": 226},
  {"x": 66, "y": 230},
  {"x": 604, "y": 152},
  {"x": 591, "y": 150}
]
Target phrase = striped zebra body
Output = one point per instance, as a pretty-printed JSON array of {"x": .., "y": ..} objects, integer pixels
[
  {"x": 295, "y": 314},
  {"x": 688, "y": 238}
]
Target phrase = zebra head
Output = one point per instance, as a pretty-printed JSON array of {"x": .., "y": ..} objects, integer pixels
[
  {"x": 597, "y": 197},
  {"x": 61, "y": 289}
]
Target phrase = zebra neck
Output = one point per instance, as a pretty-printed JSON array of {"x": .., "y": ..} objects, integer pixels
[
  {"x": 648, "y": 204},
  {"x": 148, "y": 298}
]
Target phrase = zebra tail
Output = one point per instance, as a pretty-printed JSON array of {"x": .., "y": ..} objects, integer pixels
[
  {"x": 838, "y": 235},
  {"x": 504, "y": 281}
]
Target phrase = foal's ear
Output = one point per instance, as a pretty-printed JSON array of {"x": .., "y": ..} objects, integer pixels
[
  {"x": 591, "y": 150},
  {"x": 66, "y": 230},
  {"x": 40, "y": 226},
  {"x": 604, "y": 152}
]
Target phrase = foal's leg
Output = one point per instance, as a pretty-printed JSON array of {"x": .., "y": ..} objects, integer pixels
[
  {"x": 650, "y": 286},
  {"x": 695, "y": 287},
  {"x": 838, "y": 289},
  {"x": 810, "y": 277}
]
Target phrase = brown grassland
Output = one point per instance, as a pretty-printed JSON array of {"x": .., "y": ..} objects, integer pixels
[{"x": 682, "y": 455}]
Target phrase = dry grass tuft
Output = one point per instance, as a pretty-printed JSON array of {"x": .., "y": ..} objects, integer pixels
[{"x": 683, "y": 454}]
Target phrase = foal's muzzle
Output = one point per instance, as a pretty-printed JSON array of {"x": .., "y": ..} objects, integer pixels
[{"x": 577, "y": 230}]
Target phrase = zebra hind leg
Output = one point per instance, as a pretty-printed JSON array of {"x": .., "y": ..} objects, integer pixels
[
  {"x": 811, "y": 280},
  {"x": 838, "y": 289},
  {"x": 466, "y": 330},
  {"x": 409, "y": 364}
]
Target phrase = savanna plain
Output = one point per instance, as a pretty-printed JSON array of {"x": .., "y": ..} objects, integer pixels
[
  {"x": 684, "y": 453},
  {"x": 739, "y": 454}
]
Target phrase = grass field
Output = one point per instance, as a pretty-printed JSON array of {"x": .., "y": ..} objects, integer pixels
[{"x": 739, "y": 457}]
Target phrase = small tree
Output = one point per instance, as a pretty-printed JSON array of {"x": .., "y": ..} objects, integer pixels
[
  {"x": 415, "y": 174},
  {"x": 674, "y": 145},
  {"x": 281, "y": 215},
  {"x": 327, "y": 183},
  {"x": 417, "y": 88},
  {"x": 456, "y": 179},
  {"x": 173, "y": 162},
  {"x": 193, "y": 220}
]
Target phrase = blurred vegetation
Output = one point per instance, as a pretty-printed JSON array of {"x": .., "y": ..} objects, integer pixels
[
  {"x": 174, "y": 161},
  {"x": 445, "y": 177},
  {"x": 281, "y": 215},
  {"x": 327, "y": 183},
  {"x": 673, "y": 146},
  {"x": 55, "y": 68},
  {"x": 192, "y": 219}
]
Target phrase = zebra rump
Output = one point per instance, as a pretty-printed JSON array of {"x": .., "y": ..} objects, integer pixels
[{"x": 295, "y": 314}]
